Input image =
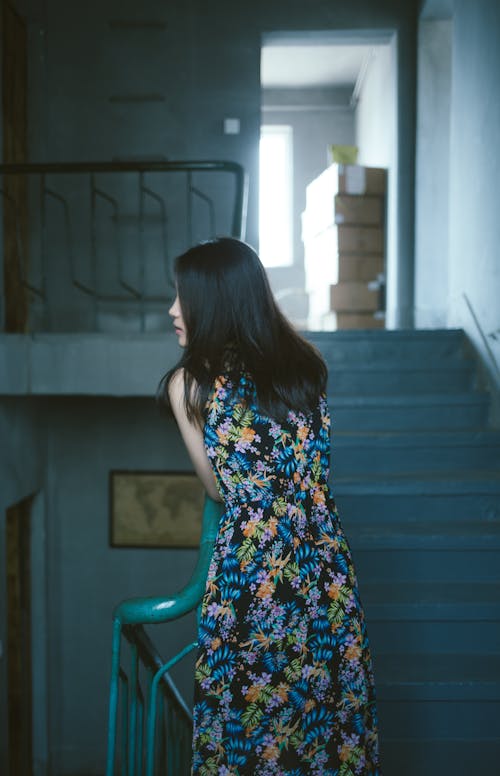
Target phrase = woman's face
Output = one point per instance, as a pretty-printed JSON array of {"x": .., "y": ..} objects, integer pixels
[{"x": 176, "y": 313}]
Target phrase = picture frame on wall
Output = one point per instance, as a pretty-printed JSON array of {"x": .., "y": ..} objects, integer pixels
[{"x": 155, "y": 509}]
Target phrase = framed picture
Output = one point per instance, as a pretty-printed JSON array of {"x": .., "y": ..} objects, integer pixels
[{"x": 155, "y": 509}]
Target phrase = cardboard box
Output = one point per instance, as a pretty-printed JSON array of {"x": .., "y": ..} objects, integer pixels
[
  {"x": 354, "y": 267},
  {"x": 367, "y": 210},
  {"x": 345, "y": 179},
  {"x": 355, "y": 179},
  {"x": 359, "y": 321},
  {"x": 360, "y": 239},
  {"x": 354, "y": 296}
]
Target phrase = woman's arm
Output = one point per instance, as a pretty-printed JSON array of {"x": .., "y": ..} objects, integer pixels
[{"x": 192, "y": 435}]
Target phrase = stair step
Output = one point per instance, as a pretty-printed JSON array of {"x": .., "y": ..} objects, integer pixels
[
  {"x": 385, "y": 377},
  {"x": 443, "y": 677},
  {"x": 422, "y": 483},
  {"x": 468, "y": 635},
  {"x": 401, "y": 346},
  {"x": 355, "y": 507},
  {"x": 467, "y": 720},
  {"x": 440, "y": 757},
  {"x": 389, "y": 452},
  {"x": 426, "y": 535},
  {"x": 432, "y": 411},
  {"x": 432, "y": 600},
  {"x": 396, "y": 563}
]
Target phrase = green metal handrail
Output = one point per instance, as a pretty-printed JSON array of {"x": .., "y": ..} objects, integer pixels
[{"x": 128, "y": 619}]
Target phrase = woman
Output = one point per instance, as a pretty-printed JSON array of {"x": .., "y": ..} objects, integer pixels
[{"x": 283, "y": 682}]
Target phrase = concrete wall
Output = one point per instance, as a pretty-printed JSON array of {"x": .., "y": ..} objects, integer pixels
[
  {"x": 375, "y": 116},
  {"x": 87, "y": 578},
  {"x": 432, "y": 225},
  {"x": 318, "y": 117},
  {"x": 376, "y": 121},
  {"x": 474, "y": 269}
]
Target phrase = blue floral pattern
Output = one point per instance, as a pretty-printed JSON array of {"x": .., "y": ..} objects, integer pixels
[{"x": 283, "y": 682}]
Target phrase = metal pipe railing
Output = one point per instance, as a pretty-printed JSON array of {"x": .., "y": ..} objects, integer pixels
[
  {"x": 52, "y": 214},
  {"x": 238, "y": 228},
  {"x": 128, "y": 620}
]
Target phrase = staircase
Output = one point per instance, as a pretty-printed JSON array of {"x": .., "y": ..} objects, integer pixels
[{"x": 416, "y": 476}]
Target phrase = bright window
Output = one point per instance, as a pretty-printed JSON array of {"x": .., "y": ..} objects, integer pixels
[{"x": 275, "y": 196}]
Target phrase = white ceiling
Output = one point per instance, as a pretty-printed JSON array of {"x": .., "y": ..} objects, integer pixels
[{"x": 313, "y": 65}]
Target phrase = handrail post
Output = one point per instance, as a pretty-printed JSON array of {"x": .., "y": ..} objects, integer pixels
[
  {"x": 113, "y": 696},
  {"x": 129, "y": 617}
]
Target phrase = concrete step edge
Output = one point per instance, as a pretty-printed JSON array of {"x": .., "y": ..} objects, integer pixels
[
  {"x": 389, "y": 401},
  {"x": 426, "y": 612},
  {"x": 417, "y": 483},
  {"x": 489, "y": 438},
  {"x": 383, "y": 365}
]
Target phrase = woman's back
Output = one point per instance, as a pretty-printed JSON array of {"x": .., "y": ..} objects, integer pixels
[{"x": 283, "y": 680}]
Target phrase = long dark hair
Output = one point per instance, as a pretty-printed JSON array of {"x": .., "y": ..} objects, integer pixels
[{"x": 233, "y": 324}]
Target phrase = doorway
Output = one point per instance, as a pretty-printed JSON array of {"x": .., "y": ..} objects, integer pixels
[{"x": 329, "y": 89}]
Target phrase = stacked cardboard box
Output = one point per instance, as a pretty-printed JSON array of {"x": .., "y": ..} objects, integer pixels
[{"x": 344, "y": 240}]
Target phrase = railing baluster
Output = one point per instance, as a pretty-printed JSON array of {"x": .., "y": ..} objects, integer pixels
[
  {"x": 142, "y": 267},
  {"x": 140, "y": 736},
  {"x": 169, "y": 275},
  {"x": 171, "y": 743},
  {"x": 125, "y": 693},
  {"x": 21, "y": 261},
  {"x": 93, "y": 246},
  {"x": 153, "y": 706},
  {"x": 134, "y": 679},
  {"x": 43, "y": 242},
  {"x": 113, "y": 696}
]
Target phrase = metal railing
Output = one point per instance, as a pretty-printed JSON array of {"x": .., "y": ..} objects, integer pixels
[
  {"x": 107, "y": 232},
  {"x": 150, "y": 724}
]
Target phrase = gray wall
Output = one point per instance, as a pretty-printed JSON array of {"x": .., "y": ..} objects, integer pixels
[
  {"x": 432, "y": 224},
  {"x": 457, "y": 274},
  {"x": 474, "y": 269},
  {"x": 377, "y": 139},
  {"x": 87, "y": 578}
]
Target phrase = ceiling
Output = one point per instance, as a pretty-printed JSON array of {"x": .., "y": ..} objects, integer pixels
[{"x": 286, "y": 66}]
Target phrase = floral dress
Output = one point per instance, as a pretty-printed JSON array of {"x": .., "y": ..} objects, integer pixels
[{"x": 283, "y": 681}]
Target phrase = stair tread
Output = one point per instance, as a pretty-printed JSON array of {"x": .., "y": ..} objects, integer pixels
[
  {"x": 338, "y": 401},
  {"x": 444, "y": 437},
  {"x": 430, "y": 592},
  {"x": 491, "y": 527},
  {"x": 383, "y": 364},
  {"x": 418, "y": 483},
  {"x": 437, "y": 668},
  {"x": 431, "y": 740},
  {"x": 388, "y": 334},
  {"x": 458, "y": 531},
  {"x": 432, "y": 601},
  {"x": 445, "y": 534}
]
